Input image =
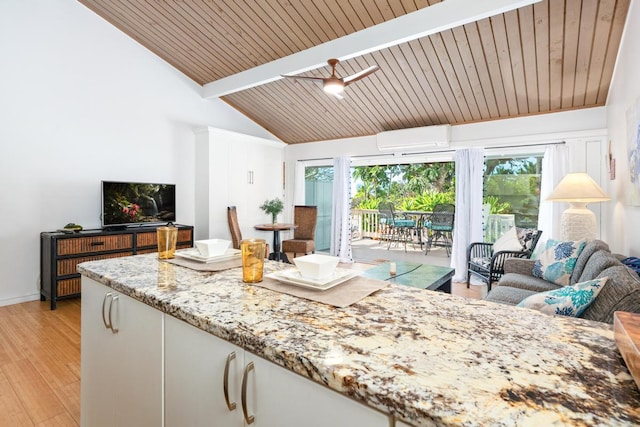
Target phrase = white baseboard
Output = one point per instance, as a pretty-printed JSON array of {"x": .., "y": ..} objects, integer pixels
[{"x": 18, "y": 300}]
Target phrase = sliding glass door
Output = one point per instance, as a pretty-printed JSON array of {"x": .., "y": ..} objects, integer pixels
[{"x": 318, "y": 190}]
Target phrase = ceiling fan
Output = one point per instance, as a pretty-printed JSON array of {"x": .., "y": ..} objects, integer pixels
[{"x": 334, "y": 85}]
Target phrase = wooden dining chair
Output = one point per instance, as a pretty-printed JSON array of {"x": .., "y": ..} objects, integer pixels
[
  {"x": 303, "y": 242},
  {"x": 234, "y": 229}
]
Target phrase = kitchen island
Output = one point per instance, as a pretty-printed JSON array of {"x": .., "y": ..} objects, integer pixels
[{"x": 419, "y": 357}]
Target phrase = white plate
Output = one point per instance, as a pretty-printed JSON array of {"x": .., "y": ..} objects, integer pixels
[
  {"x": 195, "y": 255},
  {"x": 292, "y": 277}
]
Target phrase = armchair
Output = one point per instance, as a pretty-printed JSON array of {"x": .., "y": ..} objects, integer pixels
[{"x": 488, "y": 266}]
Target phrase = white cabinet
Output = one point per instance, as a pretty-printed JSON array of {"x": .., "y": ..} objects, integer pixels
[
  {"x": 401, "y": 424},
  {"x": 121, "y": 359},
  {"x": 274, "y": 396},
  {"x": 281, "y": 398},
  {"x": 195, "y": 364}
]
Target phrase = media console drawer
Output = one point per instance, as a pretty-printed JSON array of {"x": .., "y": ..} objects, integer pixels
[
  {"x": 83, "y": 245},
  {"x": 60, "y": 253}
]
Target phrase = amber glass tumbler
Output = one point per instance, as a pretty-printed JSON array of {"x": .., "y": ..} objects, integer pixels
[
  {"x": 252, "y": 259},
  {"x": 167, "y": 239}
]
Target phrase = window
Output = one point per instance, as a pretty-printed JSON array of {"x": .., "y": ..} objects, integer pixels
[{"x": 512, "y": 186}]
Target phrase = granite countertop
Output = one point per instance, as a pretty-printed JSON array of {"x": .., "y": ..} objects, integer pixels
[{"x": 425, "y": 357}]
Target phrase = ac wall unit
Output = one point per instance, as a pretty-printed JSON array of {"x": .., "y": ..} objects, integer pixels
[{"x": 414, "y": 139}]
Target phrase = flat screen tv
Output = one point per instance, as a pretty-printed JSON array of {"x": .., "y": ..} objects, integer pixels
[{"x": 137, "y": 203}]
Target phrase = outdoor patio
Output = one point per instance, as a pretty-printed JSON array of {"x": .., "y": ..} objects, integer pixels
[{"x": 371, "y": 250}]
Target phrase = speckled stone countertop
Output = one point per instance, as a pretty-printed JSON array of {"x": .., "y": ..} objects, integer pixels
[{"x": 427, "y": 358}]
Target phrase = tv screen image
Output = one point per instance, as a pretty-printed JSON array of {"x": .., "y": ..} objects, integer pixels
[{"x": 126, "y": 203}]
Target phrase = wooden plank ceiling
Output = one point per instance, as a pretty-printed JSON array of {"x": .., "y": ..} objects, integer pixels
[{"x": 551, "y": 56}]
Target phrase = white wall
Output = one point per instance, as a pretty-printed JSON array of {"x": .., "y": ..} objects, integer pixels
[
  {"x": 81, "y": 102},
  {"x": 624, "y": 92}
]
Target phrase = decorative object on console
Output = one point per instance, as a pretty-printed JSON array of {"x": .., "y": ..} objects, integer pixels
[
  {"x": 566, "y": 301},
  {"x": 273, "y": 207},
  {"x": 558, "y": 260},
  {"x": 577, "y": 221}
]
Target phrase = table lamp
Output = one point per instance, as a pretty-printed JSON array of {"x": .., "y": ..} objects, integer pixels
[{"x": 578, "y": 222}]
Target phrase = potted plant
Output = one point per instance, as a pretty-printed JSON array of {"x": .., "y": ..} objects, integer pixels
[{"x": 273, "y": 207}]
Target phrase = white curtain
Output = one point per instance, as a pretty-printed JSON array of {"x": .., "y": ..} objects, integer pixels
[
  {"x": 468, "y": 219},
  {"x": 554, "y": 168},
  {"x": 341, "y": 210},
  {"x": 299, "y": 184}
]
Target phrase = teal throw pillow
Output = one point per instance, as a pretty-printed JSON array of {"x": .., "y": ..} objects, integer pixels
[
  {"x": 566, "y": 301},
  {"x": 556, "y": 263}
]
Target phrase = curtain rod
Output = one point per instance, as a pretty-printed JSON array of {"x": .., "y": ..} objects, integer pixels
[
  {"x": 435, "y": 152},
  {"x": 352, "y": 157},
  {"x": 501, "y": 147}
]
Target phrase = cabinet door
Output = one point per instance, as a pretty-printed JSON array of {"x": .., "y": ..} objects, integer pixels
[
  {"x": 195, "y": 364},
  {"x": 121, "y": 372},
  {"x": 279, "y": 397}
]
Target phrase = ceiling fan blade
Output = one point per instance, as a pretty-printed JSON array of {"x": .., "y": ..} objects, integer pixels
[
  {"x": 360, "y": 75},
  {"x": 304, "y": 77}
]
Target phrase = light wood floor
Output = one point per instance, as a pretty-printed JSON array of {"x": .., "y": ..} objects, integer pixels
[
  {"x": 40, "y": 364},
  {"x": 40, "y": 361}
]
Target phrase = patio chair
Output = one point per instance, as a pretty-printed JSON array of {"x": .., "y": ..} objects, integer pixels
[
  {"x": 306, "y": 218},
  {"x": 440, "y": 227},
  {"x": 488, "y": 266},
  {"x": 395, "y": 228}
]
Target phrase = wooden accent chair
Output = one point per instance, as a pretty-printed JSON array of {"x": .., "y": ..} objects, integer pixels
[
  {"x": 234, "y": 229},
  {"x": 306, "y": 218}
]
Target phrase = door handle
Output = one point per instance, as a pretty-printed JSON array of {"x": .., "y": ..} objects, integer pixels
[
  {"x": 113, "y": 301},
  {"x": 225, "y": 383},
  {"x": 104, "y": 302},
  {"x": 249, "y": 419}
]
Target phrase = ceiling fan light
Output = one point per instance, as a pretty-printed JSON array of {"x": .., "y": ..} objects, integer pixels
[{"x": 333, "y": 87}]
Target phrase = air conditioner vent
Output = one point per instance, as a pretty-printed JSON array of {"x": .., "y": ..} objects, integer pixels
[{"x": 414, "y": 139}]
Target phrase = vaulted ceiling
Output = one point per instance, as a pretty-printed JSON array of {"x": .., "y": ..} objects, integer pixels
[{"x": 549, "y": 56}]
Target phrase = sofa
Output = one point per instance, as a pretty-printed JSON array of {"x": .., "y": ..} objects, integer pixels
[{"x": 621, "y": 292}]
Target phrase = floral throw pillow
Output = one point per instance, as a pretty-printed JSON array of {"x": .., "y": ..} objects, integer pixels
[
  {"x": 555, "y": 264},
  {"x": 566, "y": 301}
]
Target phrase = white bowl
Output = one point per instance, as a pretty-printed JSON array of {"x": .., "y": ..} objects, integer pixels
[
  {"x": 212, "y": 247},
  {"x": 316, "y": 266}
]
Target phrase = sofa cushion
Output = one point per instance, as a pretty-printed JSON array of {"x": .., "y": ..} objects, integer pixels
[
  {"x": 622, "y": 293},
  {"x": 589, "y": 249},
  {"x": 509, "y": 241},
  {"x": 598, "y": 262},
  {"x": 569, "y": 301},
  {"x": 508, "y": 295},
  {"x": 558, "y": 260},
  {"x": 527, "y": 282}
]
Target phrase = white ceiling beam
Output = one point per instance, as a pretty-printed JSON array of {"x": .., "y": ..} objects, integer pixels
[{"x": 429, "y": 20}]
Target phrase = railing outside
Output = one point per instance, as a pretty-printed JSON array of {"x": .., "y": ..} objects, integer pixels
[{"x": 365, "y": 223}]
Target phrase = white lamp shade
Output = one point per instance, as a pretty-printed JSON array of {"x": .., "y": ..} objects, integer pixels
[{"x": 578, "y": 187}]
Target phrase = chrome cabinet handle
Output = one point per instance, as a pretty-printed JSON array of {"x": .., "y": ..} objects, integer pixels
[
  {"x": 249, "y": 419},
  {"x": 113, "y": 301},
  {"x": 225, "y": 383},
  {"x": 104, "y": 302}
]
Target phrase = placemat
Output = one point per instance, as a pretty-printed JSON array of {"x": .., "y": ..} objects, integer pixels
[
  {"x": 203, "y": 266},
  {"x": 343, "y": 295}
]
